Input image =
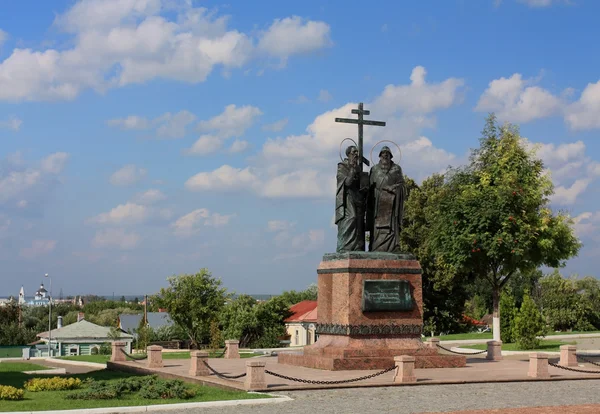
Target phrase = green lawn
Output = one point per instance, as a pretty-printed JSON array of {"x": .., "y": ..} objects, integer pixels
[
  {"x": 488, "y": 335},
  {"x": 20, "y": 367},
  {"x": 102, "y": 359},
  {"x": 54, "y": 400},
  {"x": 547, "y": 345}
]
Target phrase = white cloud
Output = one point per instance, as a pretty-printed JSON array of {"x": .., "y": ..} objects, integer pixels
[
  {"x": 54, "y": 163},
  {"x": 324, "y": 96},
  {"x": 294, "y": 35},
  {"x": 224, "y": 178},
  {"x": 174, "y": 126},
  {"x": 543, "y": 3},
  {"x": 167, "y": 125},
  {"x": 238, "y": 146},
  {"x": 206, "y": 144},
  {"x": 3, "y": 37},
  {"x": 12, "y": 122},
  {"x": 150, "y": 196},
  {"x": 512, "y": 100},
  {"x": 129, "y": 213},
  {"x": 232, "y": 122},
  {"x": 279, "y": 225},
  {"x": 116, "y": 238},
  {"x": 585, "y": 113},
  {"x": 276, "y": 126},
  {"x": 568, "y": 195},
  {"x": 21, "y": 184},
  {"x": 120, "y": 42},
  {"x": 128, "y": 175},
  {"x": 419, "y": 96},
  {"x": 132, "y": 122},
  {"x": 192, "y": 223},
  {"x": 302, "y": 166},
  {"x": 586, "y": 223},
  {"x": 571, "y": 170},
  {"x": 38, "y": 248}
]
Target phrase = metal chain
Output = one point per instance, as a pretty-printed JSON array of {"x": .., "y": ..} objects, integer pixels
[
  {"x": 218, "y": 374},
  {"x": 587, "y": 360},
  {"x": 462, "y": 353},
  {"x": 134, "y": 358},
  {"x": 329, "y": 382},
  {"x": 572, "y": 369},
  {"x": 223, "y": 354}
]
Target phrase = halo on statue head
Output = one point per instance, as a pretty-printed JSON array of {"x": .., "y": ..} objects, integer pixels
[
  {"x": 346, "y": 139},
  {"x": 391, "y": 142}
]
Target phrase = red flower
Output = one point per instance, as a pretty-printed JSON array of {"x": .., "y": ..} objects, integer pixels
[{"x": 512, "y": 251}]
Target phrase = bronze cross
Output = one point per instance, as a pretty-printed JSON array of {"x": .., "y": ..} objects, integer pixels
[{"x": 360, "y": 121}]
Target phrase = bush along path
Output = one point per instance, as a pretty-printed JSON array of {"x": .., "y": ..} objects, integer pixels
[{"x": 19, "y": 392}]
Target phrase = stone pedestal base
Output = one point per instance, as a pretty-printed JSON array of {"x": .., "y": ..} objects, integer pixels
[
  {"x": 351, "y": 338},
  {"x": 340, "y": 353}
]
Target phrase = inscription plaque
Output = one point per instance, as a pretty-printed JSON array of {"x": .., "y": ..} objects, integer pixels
[{"x": 386, "y": 296}]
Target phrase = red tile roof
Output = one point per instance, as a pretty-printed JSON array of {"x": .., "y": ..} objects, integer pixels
[{"x": 305, "y": 311}]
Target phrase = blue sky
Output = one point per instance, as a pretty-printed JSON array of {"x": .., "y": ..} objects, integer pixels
[{"x": 145, "y": 138}]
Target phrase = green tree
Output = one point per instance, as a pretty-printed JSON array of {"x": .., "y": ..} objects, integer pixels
[
  {"x": 508, "y": 310},
  {"x": 494, "y": 217},
  {"x": 443, "y": 302},
  {"x": 528, "y": 324},
  {"x": 193, "y": 301},
  {"x": 239, "y": 320},
  {"x": 216, "y": 336}
]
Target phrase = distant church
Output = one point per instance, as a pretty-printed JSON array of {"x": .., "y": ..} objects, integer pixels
[{"x": 42, "y": 298}]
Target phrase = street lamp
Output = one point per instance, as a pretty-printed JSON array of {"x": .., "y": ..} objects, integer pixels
[{"x": 49, "y": 317}]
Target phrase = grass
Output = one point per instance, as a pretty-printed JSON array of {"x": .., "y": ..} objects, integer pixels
[
  {"x": 19, "y": 367},
  {"x": 548, "y": 346},
  {"x": 54, "y": 400},
  {"x": 488, "y": 335},
  {"x": 102, "y": 359}
]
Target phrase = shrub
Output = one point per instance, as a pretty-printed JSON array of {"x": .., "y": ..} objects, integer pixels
[
  {"x": 53, "y": 384},
  {"x": 529, "y": 324},
  {"x": 11, "y": 393},
  {"x": 105, "y": 349},
  {"x": 166, "y": 390},
  {"x": 507, "y": 317},
  {"x": 106, "y": 390}
]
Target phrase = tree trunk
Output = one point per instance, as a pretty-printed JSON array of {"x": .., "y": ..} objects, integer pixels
[{"x": 496, "y": 312}]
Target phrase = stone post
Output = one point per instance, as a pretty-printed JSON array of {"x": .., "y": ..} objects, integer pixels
[
  {"x": 538, "y": 365},
  {"x": 405, "y": 369},
  {"x": 117, "y": 352},
  {"x": 255, "y": 376},
  {"x": 197, "y": 366},
  {"x": 154, "y": 356},
  {"x": 433, "y": 343},
  {"x": 494, "y": 350},
  {"x": 233, "y": 349},
  {"x": 568, "y": 356}
]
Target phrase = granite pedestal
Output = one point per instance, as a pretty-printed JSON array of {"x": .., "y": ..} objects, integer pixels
[{"x": 350, "y": 338}]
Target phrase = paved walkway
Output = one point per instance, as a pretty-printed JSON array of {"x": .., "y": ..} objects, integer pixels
[
  {"x": 560, "y": 396},
  {"x": 478, "y": 369}
]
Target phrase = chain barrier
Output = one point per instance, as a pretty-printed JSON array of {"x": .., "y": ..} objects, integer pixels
[
  {"x": 587, "y": 360},
  {"x": 462, "y": 353},
  {"x": 218, "y": 374},
  {"x": 329, "y": 382},
  {"x": 552, "y": 364},
  {"x": 134, "y": 358},
  {"x": 222, "y": 354}
]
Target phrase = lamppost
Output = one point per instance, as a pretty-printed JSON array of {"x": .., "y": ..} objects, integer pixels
[{"x": 49, "y": 317}]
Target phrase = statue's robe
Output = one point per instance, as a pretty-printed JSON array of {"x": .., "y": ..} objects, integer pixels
[
  {"x": 348, "y": 209},
  {"x": 385, "y": 207}
]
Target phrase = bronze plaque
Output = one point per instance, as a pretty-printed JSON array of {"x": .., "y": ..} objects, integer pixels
[{"x": 386, "y": 296}]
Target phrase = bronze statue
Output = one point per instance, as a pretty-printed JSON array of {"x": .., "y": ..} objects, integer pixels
[
  {"x": 386, "y": 195},
  {"x": 349, "y": 203},
  {"x": 385, "y": 205}
]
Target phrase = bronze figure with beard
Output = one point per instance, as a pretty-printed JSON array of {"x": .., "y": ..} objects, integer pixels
[
  {"x": 350, "y": 203},
  {"x": 385, "y": 205}
]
